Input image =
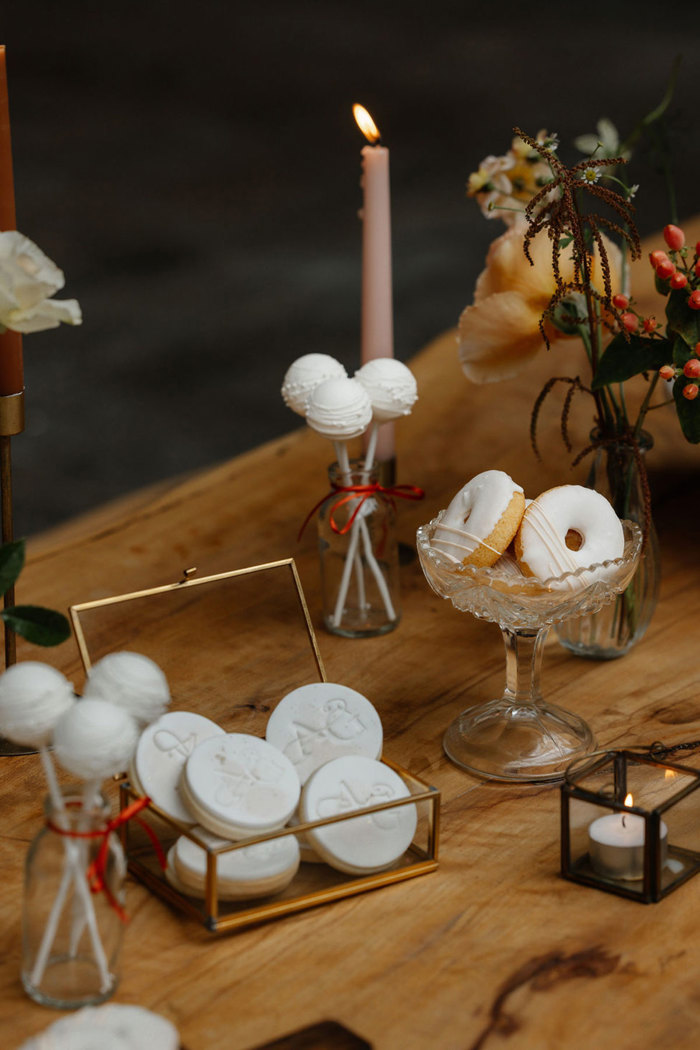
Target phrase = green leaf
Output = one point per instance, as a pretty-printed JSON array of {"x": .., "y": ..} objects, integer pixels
[
  {"x": 624, "y": 359},
  {"x": 36, "y": 624},
  {"x": 11, "y": 563},
  {"x": 681, "y": 319},
  {"x": 688, "y": 411},
  {"x": 681, "y": 352}
]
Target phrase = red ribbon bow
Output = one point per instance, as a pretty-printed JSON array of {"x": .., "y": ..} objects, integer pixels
[
  {"x": 96, "y": 871},
  {"x": 350, "y": 494}
]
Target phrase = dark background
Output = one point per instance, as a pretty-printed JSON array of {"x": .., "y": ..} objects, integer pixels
[{"x": 195, "y": 172}]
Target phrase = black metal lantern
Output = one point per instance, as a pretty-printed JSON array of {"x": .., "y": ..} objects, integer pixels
[{"x": 630, "y": 824}]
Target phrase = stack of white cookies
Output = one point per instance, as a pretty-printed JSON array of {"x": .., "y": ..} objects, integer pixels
[{"x": 320, "y": 759}]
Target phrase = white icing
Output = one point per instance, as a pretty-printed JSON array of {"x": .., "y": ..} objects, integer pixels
[
  {"x": 473, "y": 514},
  {"x": 364, "y": 844},
  {"x": 161, "y": 753},
  {"x": 552, "y": 515},
  {"x": 132, "y": 681},
  {"x": 304, "y": 375},
  {"x": 33, "y": 696},
  {"x": 316, "y": 723},
  {"x": 339, "y": 409},
  {"x": 113, "y": 1026},
  {"x": 237, "y": 784},
  {"x": 391, "y": 387},
  {"x": 95, "y": 739}
]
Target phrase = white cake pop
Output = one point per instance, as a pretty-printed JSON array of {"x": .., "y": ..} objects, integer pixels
[
  {"x": 95, "y": 739},
  {"x": 391, "y": 387},
  {"x": 33, "y": 696},
  {"x": 339, "y": 409},
  {"x": 304, "y": 375},
  {"x": 131, "y": 681}
]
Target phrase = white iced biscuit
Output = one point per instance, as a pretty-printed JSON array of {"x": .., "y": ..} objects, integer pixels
[
  {"x": 236, "y": 785},
  {"x": 258, "y": 870},
  {"x": 163, "y": 748},
  {"x": 132, "y": 681},
  {"x": 364, "y": 844},
  {"x": 545, "y": 544},
  {"x": 95, "y": 739},
  {"x": 33, "y": 696},
  {"x": 304, "y": 375},
  {"x": 339, "y": 409},
  {"x": 391, "y": 387},
  {"x": 316, "y": 723},
  {"x": 113, "y": 1026}
]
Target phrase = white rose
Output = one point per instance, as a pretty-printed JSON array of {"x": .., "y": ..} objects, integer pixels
[{"x": 28, "y": 279}]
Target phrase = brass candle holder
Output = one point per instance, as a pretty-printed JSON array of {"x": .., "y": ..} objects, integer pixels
[{"x": 11, "y": 423}]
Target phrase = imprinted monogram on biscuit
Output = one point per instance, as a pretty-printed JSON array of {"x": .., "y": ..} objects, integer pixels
[
  {"x": 349, "y": 799},
  {"x": 173, "y": 745},
  {"x": 339, "y": 724},
  {"x": 237, "y": 774}
]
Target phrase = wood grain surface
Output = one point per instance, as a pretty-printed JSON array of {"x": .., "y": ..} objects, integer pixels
[{"x": 492, "y": 951}]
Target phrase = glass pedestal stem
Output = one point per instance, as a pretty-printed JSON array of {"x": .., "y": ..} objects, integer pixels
[{"x": 523, "y": 664}]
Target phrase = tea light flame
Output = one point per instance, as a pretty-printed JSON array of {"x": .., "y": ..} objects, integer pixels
[
  {"x": 629, "y": 799},
  {"x": 365, "y": 123}
]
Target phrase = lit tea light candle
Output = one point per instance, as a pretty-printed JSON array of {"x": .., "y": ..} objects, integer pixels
[
  {"x": 616, "y": 844},
  {"x": 377, "y": 300}
]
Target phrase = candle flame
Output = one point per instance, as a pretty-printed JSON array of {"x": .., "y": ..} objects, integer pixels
[
  {"x": 669, "y": 774},
  {"x": 629, "y": 799},
  {"x": 365, "y": 123}
]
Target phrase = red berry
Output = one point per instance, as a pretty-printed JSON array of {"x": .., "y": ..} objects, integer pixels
[
  {"x": 620, "y": 301},
  {"x": 679, "y": 280},
  {"x": 697, "y": 268},
  {"x": 665, "y": 269},
  {"x": 697, "y": 349},
  {"x": 674, "y": 237},
  {"x": 657, "y": 257},
  {"x": 667, "y": 371},
  {"x": 690, "y": 390},
  {"x": 650, "y": 325},
  {"x": 631, "y": 321},
  {"x": 691, "y": 369},
  {"x": 694, "y": 300}
]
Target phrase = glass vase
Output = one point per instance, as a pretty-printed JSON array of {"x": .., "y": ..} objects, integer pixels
[
  {"x": 71, "y": 935},
  {"x": 359, "y": 555},
  {"x": 613, "y": 630}
]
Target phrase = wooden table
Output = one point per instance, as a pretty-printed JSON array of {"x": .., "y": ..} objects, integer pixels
[{"x": 494, "y": 949}]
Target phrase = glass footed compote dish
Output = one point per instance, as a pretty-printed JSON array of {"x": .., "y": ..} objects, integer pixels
[{"x": 519, "y": 737}]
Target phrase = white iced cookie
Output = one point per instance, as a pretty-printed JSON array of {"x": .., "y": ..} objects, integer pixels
[
  {"x": 339, "y": 409},
  {"x": 258, "y": 870},
  {"x": 163, "y": 748},
  {"x": 113, "y": 1026},
  {"x": 237, "y": 785},
  {"x": 95, "y": 739},
  {"x": 481, "y": 520},
  {"x": 304, "y": 375},
  {"x": 33, "y": 696},
  {"x": 568, "y": 528},
  {"x": 306, "y": 851},
  {"x": 316, "y": 723},
  {"x": 132, "y": 681},
  {"x": 359, "y": 845},
  {"x": 391, "y": 387}
]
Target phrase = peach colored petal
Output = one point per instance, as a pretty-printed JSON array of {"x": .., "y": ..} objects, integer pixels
[{"x": 498, "y": 337}]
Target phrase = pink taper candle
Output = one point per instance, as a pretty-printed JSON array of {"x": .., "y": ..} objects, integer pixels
[{"x": 377, "y": 301}]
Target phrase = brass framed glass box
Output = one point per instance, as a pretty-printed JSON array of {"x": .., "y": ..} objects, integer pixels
[{"x": 231, "y": 645}]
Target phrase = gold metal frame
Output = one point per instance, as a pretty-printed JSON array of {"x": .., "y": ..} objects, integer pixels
[
  {"x": 189, "y": 580},
  {"x": 423, "y": 860}
]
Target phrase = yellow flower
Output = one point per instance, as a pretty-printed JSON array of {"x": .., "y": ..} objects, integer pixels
[{"x": 499, "y": 334}]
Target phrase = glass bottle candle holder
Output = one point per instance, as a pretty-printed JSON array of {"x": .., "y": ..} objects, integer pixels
[
  {"x": 72, "y": 936},
  {"x": 359, "y": 555}
]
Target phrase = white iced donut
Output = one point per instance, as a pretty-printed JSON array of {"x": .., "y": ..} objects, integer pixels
[
  {"x": 391, "y": 387},
  {"x": 339, "y": 409},
  {"x": 318, "y": 722},
  {"x": 568, "y": 528},
  {"x": 304, "y": 375},
  {"x": 481, "y": 520}
]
